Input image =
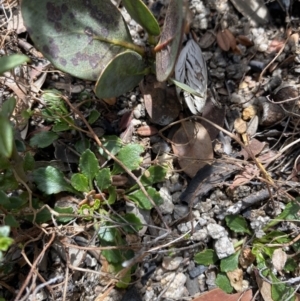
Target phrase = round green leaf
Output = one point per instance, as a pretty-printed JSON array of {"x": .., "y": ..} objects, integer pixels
[
  {"x": 171, "y": 35},
  {"x": 121, "y": 74},
  {"x": 43, "y": 139},
  {"x": 12, "y": 61},
  {"x": 78, "y": 37},
  {"x": 142, "y": 15},
  {"x": 80, "y": 182},
  {"x": 103, "y": 178},
  {"x": 6, "y": 137}
]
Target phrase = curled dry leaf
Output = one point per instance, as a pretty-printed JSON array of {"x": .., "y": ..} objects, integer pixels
[
  {"x": 279, "y": 258},
  {"x": 147, "y": 130},
  {"x": 246, "y": 258},
  {"x": 192, "y": 145},
  {"x": 236, "y": 279},
  {"x": 191, "y": 70},
  {"x": 254, "y": 146},
  {"x": 226, "y": 40},
  {"x": 240, "y": 126}
]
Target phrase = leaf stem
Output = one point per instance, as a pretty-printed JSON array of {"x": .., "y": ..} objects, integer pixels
[{"x": 124, "y": 44}]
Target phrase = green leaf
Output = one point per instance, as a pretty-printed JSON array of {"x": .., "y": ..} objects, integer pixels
[
  {"x": 4, "y": 200},
  {"x": 82, "y": 145},
  {"x": 121, "y": 74},
  {"x": 223, "y": 283},
  {"x": 172, "y": 34},
  {"x": 42, "y": 217},
  {"x": 28, "y": 162},
  {"x": 142, "y": 201},
  {"x": 129, "y": 155},
  {"x": 89, "y": 165},
  {"x": 51, "y": 180},
  {"x": 103, "y": 178},
  {"x": 8, "y": 181},
  {"x": 237, "y": 223},
  {"x": 64, "y": 210},
  {"x": 281, "y": 291},
  {"x": 142, "y": 15},
  {"x": 290, "y": 265},
  {"x": 8, "y": 106},
  {"x": 230, "y": 263},
  {"x": 94, "y": 115},
  {"x": 112, "y": 256},
  {"x": 11, "y": 221},
  {"x": 153, "y": 174},
  {"x": 112, "y": 195},
  {"x": 275, "y": 237},
  {"x": 78, "y": 37},
  {"x": 61, "y": 126},
  {"x": 4, "y": 163},
  {"x": 134, "y": 222},
  {"x": 112, "y": 143},
  {"x": 43, "y": 139},
  {"x": 80, "y": 182},
  {"x": 5, "y": 243},
  {"x": 186, "y": 88},
  {"x": 206, "y": 257},
  {"x": 6, "y": 137},
  {"x": 12, "y": 61},
  {"x": 108, "y": 233}
]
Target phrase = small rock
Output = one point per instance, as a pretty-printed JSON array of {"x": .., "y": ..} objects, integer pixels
[
  {"x": 167, "y": 207},
  {"x": 176, "y": 290},
  {"x": 90, "y": 261},
  {"x": 192, "y": 286},
  {"x": 224, "y": 247},
  {"x": 210, "y": 279},
  {"x": 171, "y": 264},
  {"x": 216, "y": 231},
  {"x": 180, "y": 211},
  {"x": 197, "y": 271},
  {"x": 149, "y": 294},
  {"x": 137, "y": 111},
  {"x": 200, "y": 235}
]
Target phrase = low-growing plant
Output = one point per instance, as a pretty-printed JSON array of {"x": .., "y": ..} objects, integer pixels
[{"x": 90, "y": 40}]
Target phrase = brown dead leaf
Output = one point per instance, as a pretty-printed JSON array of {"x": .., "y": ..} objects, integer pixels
[
  {"x": 110, "y": 101},
  {"x": 226, "y": 40},
  {"x": 192, "y": 145},
  {"x": 240, "y": 126},
  {"x": 207, "y": 39},
  {"x": 279, "y": 258},
  {"x": 264, "y": 287},
  {"x": 236, "y": 279},
  {"x": 161, "y": 102},
  {"x": 214, "y": 114},
  {"x": 254, "y": 146},
  {"x": 218, "y": 295},
  {"x": 245, "y": 176},
  {"x": 147, "y": 130},
  {"x": 243, "y": 40},
  {"x": 246, "y": 258}
]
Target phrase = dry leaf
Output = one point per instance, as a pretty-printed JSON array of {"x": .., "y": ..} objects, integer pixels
[
  {"x": 191, "y": 70},
  {"x": 218, "y": 295},
  {"x": 264, "y": 287},
  {"x": 254, "y": 146},
  {"x": 279, "y": 258},
  {"x": 192, "y": 145},
  {"x": 161, "y": 102},
  {"x": 245, "y": 176},
  {"x": 240, "y": 126},
  {"x": 226, "y": 40},
  {"x": 249, "y": 112},
  {"x": 110, "y": 101},
  {"x": 236, "y": 279},
  {"x": 246, "y": 258},
  {"x": 243, "y": 40},
  {"x": 147, "y": 130},
  {"x": 207, "y": 39}
]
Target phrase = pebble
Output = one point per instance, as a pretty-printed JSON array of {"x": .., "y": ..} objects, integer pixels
[
  {"x": 171, "y": 264},
  {"x": 224, "y": 247},
  {"x": 197, "y": 271},
  {"x": 216, "y": 231},
  {"x": 90, "y": 261},
  {"x": 167, "y": 207},
  {"x": 137, "y": 112},
  {"x": 192, "y": 286},
  {"x": 176, "y": 290},
  {"x": 210, "y": 279},
  {"x": 180, "y": 211},
  {"x": 200, "y": 235}
]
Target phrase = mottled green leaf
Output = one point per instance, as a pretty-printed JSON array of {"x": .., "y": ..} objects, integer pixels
[
  {"x": 11, "y": 221},
  {"x": 112, "y": 143},
  {"x": 153, "y": 174},
  {"x": 94, "y": 115},
  {"x": 77, "y": 36},
  {"x": 8, "y": 106},
  {"x": 122, "y": 74},
  {"x": 89, "y": 165},
  {"x": 64, "y": 210}
]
